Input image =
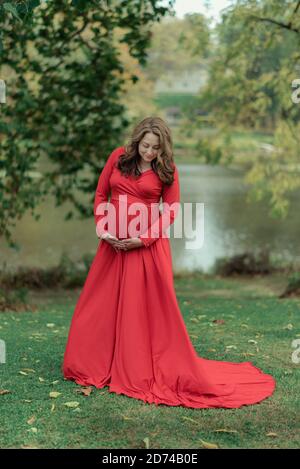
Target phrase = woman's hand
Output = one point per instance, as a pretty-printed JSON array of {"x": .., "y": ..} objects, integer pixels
[
  {"x": 112, "y": 240},
  {"x": 131, "y": 243}
]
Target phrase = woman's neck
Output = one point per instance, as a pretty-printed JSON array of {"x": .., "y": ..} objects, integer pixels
[{"x": 142, "y": 167}]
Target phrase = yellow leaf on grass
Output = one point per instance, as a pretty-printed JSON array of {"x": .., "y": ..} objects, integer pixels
[
  {"x": 72, "y": 404},
  {"x": 208, "y": 445},
  {"x": 54, "y": 394},
  {"x": 190, "y": 419},
  {"x": 4, "y": 391},
  {"x": 23, "y": 373},
  {"x": 52, "y": 407},
  {"x": 41, "y": 379},
  {"x": 28, "y": 447},
  {"x": 31, "y": 420},
  {"x": 146, "y": 441},
  {"x": 33, "y": 430},
  {"x": 127, "y": 418},
  {"x": 272, "y": 434}
]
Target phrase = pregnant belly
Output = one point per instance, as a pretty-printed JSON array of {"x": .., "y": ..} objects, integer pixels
[{"x": 130, "y": 219}]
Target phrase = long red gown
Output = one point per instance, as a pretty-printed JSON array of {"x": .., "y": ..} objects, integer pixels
[{"x": 127, "y": 331}]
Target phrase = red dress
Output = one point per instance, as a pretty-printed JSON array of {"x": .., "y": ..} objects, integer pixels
[{"x": 127, "y": 331}]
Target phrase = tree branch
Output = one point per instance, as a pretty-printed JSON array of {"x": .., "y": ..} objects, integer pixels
[
  {"x": 277, "y": 23},
  {"x": 78, "y": 32}
]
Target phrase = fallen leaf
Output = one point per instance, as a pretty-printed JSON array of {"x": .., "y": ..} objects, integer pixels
[
  {"x": 32, "y": 429},
  {"x": 4, "y": 391},
  {"x": 54, "y": 394},
  {"x": 71, "y": 404},
  {"x": 190, "y": 419},
  {"x": 272, "y": 434},
  {"x": 85, "y": 391},
  {"x": 52, "y": 407},
  {"x": 146, "y": 441},
  {"x": 41, "y": 379},
  {"x": 31, "y": 420},
  {"x": 28, "y": 447},
  {"x": 23, "y": 373},
  {"x": 207, "y": 445}
]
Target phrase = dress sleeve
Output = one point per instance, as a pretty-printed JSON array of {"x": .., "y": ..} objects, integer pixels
[
  {"x": 171, "y": 203},
  {"x": 103, "y": 189}
]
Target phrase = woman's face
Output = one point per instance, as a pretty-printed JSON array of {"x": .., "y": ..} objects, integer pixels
[{"x": 149, "y": 147}]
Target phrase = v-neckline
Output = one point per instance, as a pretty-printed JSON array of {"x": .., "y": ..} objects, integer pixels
[{"x": 142, "y": 172}]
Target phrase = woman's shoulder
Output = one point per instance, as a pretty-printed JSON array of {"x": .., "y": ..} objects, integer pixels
[
  {"x": 119, "y": 150},
  {"x": 116, "y": 153}
]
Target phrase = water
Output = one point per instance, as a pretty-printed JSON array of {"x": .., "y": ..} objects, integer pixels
[{"x": 231, "y": 226}]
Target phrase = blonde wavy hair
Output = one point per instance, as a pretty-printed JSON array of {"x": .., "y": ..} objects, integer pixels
[{"x": 163, "y": 164}]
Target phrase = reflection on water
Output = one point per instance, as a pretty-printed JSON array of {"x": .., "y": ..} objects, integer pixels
[{"x": 231, "y": 226}]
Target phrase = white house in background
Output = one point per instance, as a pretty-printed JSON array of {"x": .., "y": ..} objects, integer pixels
[{"x": 187, "y": 81}]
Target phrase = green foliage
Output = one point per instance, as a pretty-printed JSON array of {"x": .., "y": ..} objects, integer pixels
[
  {"x": 64, "y": 79},
  {"x": 251, "y": 72},
  {"x": 245, "y": 264},
  {"x": 293, "y": 286},
  {"x": 66, "y": 274},
  {"x": 14, "y": 300}
]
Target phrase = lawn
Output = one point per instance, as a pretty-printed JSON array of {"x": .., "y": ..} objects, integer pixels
[{"x": 256, "y": 326}]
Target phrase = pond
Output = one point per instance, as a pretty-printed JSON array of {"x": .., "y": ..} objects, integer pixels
[{"x": 231, "y": 226}]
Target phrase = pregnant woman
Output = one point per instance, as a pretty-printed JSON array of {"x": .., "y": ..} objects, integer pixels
[{"x": 127, "y": 331}]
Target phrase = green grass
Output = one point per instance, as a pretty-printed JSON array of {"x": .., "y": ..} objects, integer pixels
[{"x": 251, "y": 312}]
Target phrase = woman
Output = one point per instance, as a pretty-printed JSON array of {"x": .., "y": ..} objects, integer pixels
[{"x": 127, "y": 331}]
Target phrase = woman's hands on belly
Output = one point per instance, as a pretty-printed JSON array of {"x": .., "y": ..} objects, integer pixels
[{"x": 125, "y": 244}]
